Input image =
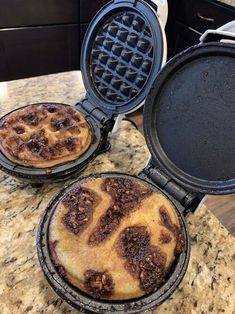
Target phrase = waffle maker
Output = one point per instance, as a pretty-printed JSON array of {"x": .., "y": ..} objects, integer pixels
[
  {"x": 188, "y": 122},
  {"x": 123, "y": 50}
]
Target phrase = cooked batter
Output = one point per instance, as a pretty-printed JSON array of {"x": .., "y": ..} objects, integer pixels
[
  {"x": 44, "y": 135},
  {"x": 114, "y": 238}
]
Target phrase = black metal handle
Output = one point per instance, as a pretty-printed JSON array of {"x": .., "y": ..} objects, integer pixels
[{"x": 204, "y": 18}]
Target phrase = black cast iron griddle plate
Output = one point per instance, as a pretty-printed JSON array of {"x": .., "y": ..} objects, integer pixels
[
  {"x": 84, "y": 302},
  {"x": 189, "y": 119},
  {"x": 122, "y": 52}
]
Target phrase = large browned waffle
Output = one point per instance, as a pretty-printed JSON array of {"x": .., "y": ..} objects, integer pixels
[
  {"x": 44, "y": 135},
  {"x": 114, "y": 238}
]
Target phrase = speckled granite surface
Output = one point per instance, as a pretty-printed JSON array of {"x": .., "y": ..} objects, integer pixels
[
  {"x": 229, "y": 2},
  {"x": 209, "y": 285}
]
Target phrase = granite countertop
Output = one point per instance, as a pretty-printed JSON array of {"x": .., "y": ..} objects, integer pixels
[
  {"x": 209, "y": 284},
  {"x": 229, "y": 2}
]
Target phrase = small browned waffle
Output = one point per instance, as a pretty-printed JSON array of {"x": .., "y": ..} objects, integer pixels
[
  {"x": 44, "y": 135},
  {"x": 114, "y": 238}
]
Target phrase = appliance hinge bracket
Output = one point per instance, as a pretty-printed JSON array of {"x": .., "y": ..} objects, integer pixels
[
  {"x": 156, "y": 175},
  {"x": 89, "y": 109}
]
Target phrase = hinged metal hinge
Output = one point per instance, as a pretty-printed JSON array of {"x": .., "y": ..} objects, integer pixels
[
  {"x": 95, "y": 112},
  {"x": 185, "y": 198}
]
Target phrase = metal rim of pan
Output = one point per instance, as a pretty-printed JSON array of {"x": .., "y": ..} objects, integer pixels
[
  {"x": 60, "y": 171},
  {"x": 87, "y": 304}
]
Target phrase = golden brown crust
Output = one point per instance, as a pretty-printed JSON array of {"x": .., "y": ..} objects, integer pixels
[
  {"x": 44, "y": 135},
  {"x": 127, "y": 260}
]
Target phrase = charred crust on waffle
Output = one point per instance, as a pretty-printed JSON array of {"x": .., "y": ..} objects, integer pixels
[
  {"x": 126, "y": 198},
  {"x": 70, "y": 144},
  {"x": 173, "y": 228},
  {"x": 51, "y": 108},
  {"x": 98, "y": 284},
  {"x": 37, "y": 144},
  {"x": 61, "y": 123},
  {"x": 134, "y": 243},
  {"x": 165, "y": 237},
  {"x": 19, "y": 129},
  {"x": 142, "y": 260},
  {"x": 152, "y": 270},
  {"x": 80, "y": 203},
  {"x": 31, "y": 118}
]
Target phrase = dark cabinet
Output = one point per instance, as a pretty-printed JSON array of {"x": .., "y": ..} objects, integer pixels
[
  {"x": 17, "y": 13},
  {"x": 35, "y": 51},
  {"x": 188, "y": 19},
  {"x": 38, "y": 37},
  {"x": 88, "y": 9},
  {"x": 42, "y": 37},
  {"x": 204, "y": 14},
  {"x": 184, "y": 37}
]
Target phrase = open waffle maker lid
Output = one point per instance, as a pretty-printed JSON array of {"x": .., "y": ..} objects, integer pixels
[
  {"x": 122, "y": 52},
  {"x": 189, "y": 119}
]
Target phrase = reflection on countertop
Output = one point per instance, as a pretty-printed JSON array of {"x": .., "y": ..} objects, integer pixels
[{"x": 209, "y": 284}]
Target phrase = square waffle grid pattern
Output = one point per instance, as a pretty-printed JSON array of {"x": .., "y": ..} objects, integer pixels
[{"x": 122, "y": 57}]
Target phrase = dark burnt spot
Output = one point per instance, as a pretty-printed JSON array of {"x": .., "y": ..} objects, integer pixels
[
  {"x": 143, "y": 261},
  {"x": 133, "y": 244},
  {"x": 70, "y": 144},
  {"x": 60, "y": 124},
  {"x": 152, "y": 270},
  {"x": 155, "y": 259},
  {"x": 108, "y": 224},
  {"x": 19, "y": 129},
  {"x": 44, "y": 150},
  {"x": 151, "y": 279},
  {"x": 37, "y": 142},
  {"x": 34, "y": 146},
  {"x": 126, "y": 197},
  {"x": 165, "y": 237},
  {"x": 81, "y": 203},
  {"x": 180, "y": 245},
  {"x": 51, "y": 108},
  {"x": 167, "y": 222},
  {"x": 99, "y": 284},
  {"x": 31, "y": 118},
  {"x": 56, "y": 149}
]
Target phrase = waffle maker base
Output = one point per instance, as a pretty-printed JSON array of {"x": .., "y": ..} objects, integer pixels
[
  {"x": 62, "y": 171},
  {"x": 87, "y": 304}
]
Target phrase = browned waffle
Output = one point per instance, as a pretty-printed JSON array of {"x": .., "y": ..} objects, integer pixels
[
  {"x": 44, "y": 135},
  {"x": 113, "y": 238}
]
